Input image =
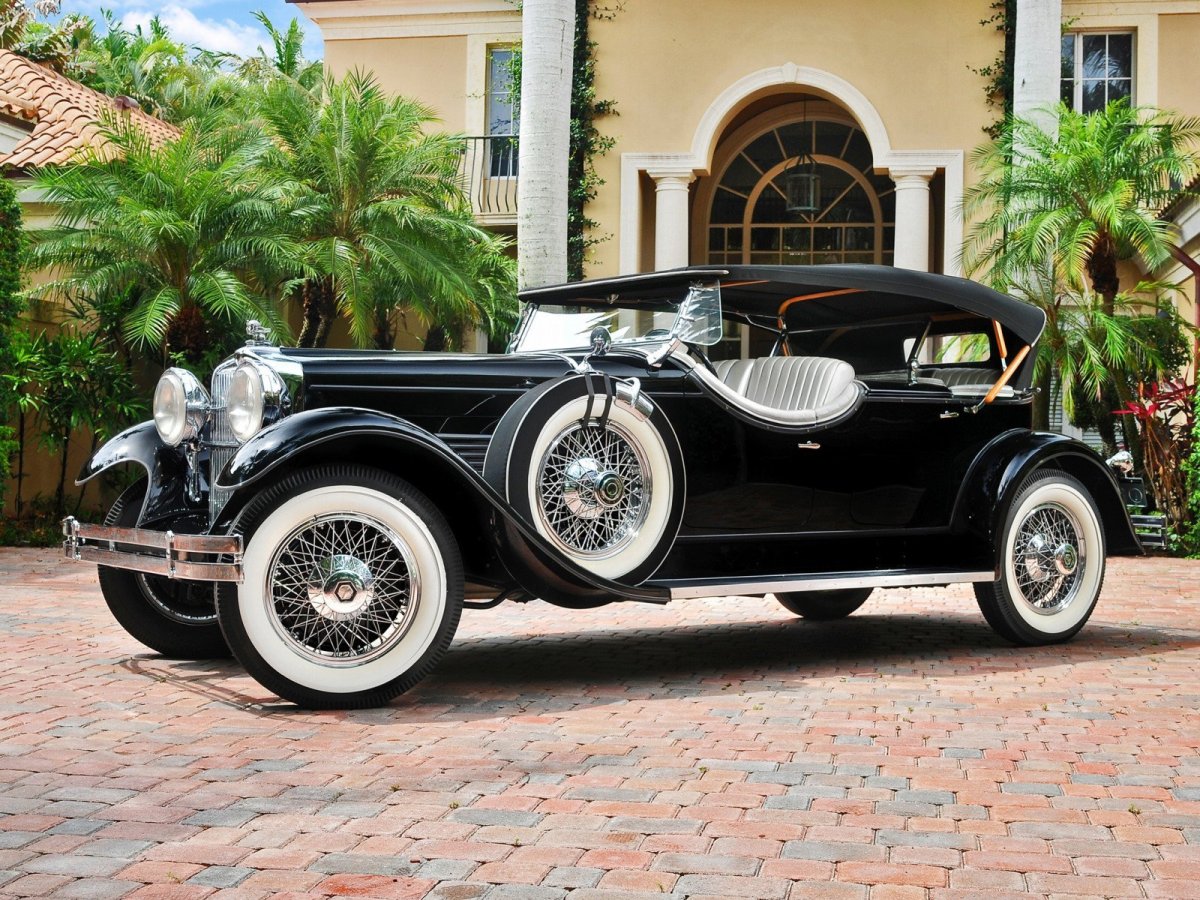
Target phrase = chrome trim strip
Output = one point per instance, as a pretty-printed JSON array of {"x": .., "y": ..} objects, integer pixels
[
  {"x": 169, "y": 556},
  {"x": 836, "y": 581}
]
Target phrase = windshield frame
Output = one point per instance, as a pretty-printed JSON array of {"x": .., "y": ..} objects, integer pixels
[{"x": 697, "y": 319}]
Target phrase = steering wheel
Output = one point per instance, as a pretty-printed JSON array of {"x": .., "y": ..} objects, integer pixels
[
  {"x": 697, "y": 352},
  {"x": 658, "y": 334}
]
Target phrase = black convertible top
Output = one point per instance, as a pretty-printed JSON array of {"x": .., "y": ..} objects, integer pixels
[{"x": 863, "y": 293}]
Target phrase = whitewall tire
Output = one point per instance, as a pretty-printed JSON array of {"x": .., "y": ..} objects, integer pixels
[
  {"x": 1052, "y": 559},
  {"x": 606, "y": 493},
  {"x": 353, "y": 588},
  {"x": 174, "y": 617}
]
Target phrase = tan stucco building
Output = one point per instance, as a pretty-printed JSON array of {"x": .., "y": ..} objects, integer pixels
[{"x": 717, "y": 101}]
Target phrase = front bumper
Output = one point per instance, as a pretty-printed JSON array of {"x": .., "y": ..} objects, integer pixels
[{"x": 193, "y": 557}]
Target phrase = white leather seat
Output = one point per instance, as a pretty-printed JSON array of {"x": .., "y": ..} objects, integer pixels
[
  {"x": 965, "y": 381},
  {"x": 951, "y": 376},
  {"x": 789, "y": 390}
]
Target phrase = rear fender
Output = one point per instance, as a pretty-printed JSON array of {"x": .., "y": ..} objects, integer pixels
[
  {"x": 166, "y": 471},
  {"x": 991, "y": 485},
  {"x": 348, "y": 434}
]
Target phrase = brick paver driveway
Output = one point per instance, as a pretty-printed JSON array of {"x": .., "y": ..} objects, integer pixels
[{"x": 710, "y": 748}]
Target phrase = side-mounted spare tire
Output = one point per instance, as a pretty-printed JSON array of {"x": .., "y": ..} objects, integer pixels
[{"x": 600, "y": 477}]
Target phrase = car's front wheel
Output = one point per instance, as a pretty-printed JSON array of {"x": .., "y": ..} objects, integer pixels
[
  {"x": 1051, "y": 563},
  {"x": 176, "y": 618},
  {"x": 824, "y": 606},
  {"x": 353, "y": 588}
]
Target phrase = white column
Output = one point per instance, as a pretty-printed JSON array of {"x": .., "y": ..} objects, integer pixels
[
  {"x": 912, "y": 218},
  {"x": 1037, "y": 60},
  {"x": 671, "y": 215}
]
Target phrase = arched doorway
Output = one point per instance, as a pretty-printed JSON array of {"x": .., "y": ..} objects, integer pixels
[{"x": 743, "y": 211}]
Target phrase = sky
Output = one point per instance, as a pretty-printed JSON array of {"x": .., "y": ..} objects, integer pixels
[{"x": 212, "y": 24}]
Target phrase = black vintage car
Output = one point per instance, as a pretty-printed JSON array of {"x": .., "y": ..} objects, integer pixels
[{"x": 806, "y": 432}]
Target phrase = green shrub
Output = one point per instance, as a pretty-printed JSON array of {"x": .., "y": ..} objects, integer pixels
[
  {"x": 12, "y": 239},
  {"x": 1190, "y": 539}
]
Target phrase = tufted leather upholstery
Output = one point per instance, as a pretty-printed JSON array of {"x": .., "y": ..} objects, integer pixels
[
  {"x": 794, "y": 390},
  {"x": 951, "y": 375}
]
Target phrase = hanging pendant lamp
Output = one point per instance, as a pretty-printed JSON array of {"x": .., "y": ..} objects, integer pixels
[{"x": 802, "y": 184}]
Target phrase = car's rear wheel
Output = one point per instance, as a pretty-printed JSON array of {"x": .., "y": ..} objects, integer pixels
[
  {"x": 823, "y": 606},
  {"x": 176, "y": 618},
  {"x": 1051, "y": 563},
  {"x": 605, "y": 490},
  {"x": 353, "y": 588}
]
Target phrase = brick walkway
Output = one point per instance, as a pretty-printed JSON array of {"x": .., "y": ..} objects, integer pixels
[{"x": 709, "y": 748}]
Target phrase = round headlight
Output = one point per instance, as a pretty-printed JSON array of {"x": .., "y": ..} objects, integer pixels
[
  {"x": 180, "y": 406},
  {"x": 245, "y": 402}
]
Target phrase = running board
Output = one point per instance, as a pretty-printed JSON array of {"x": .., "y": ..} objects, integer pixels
[{"x": 682, "y": 589}]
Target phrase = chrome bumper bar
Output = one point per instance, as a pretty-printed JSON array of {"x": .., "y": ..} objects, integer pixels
[{"x": 155, "y": 552}]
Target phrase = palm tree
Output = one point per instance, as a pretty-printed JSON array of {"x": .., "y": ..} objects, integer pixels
[
  {"x": 287, "y": 57},
  {"x": 1081, "y": 197},
  {"x": 170, "y": 241},
  {"x": 1083, "y": 346},
  {"x": 1087, "y": 196},
  {"x": 379, "y": 210},
  {"x": 547, "y": 54}
]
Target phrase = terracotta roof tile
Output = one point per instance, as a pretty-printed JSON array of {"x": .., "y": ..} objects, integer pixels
[
  {"x": 65, "y": 114},
  {"x": 16, "y": 108}
]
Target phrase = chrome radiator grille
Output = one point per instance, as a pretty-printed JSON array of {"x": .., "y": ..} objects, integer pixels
[{"x": 221, "y": 442}]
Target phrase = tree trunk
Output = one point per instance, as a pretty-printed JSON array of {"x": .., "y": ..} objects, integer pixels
[
  {"x": 320, "y": 309},
  {"x": 384, "y": 337},
  {"x": 547, "y": 49},
  {"x": 60, "y": 499},
  {"x": 1102, "y": 270},
  {"x": 20, "y": 462},
  {"x": 1041, "y": 400},
  {"x": 437, "y": 339}
]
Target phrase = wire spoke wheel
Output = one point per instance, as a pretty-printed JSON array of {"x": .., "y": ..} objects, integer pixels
[
  {"x": 353, "y": 587},
  {"x": 1048, "y": 554},
  {"x": 176, "y": 618},
  {"x": 185, "y": 602},
  {"x": 594, "y": 489},
  {"x": 341, "y": 589},
  {"x": 1050, "y": 561}
]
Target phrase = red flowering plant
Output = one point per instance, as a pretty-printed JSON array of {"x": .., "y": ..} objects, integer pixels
[{"x": 1166, "y": 416}]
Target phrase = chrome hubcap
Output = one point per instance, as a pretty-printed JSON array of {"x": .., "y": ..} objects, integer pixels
[
  {"x": 342, "y": 586},
  {"x": 1047, "y": 555},
  {"x": 588, "y": 492},
  {"x": 341, "y": 589},
  {"x": 593, "y": 489}
]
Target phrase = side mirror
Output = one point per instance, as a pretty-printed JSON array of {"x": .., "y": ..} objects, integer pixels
[{"x": 601, "y": 339}]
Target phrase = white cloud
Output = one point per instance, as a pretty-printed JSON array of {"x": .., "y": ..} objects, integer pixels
[{"x": 209, "y": 33}]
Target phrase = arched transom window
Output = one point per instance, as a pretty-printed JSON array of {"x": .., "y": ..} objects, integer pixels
[{"x": 855, "y": 221}]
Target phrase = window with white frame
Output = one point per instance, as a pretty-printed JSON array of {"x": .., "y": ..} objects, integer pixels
[
  {"x": 503, "y": 123},
  {"x": 1097, "y": 68}
]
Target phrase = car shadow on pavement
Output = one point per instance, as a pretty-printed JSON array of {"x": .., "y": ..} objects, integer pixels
[{"x": 497, "y": 675}]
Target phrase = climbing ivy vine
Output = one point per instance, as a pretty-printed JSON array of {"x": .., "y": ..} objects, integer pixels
[{"x": 999, "y": 72}]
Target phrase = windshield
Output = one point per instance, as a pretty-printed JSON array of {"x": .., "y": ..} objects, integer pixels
[{"x": 695, "y": 319}]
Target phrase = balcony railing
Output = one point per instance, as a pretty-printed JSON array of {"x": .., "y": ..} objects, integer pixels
[{"x": 489, "y": 175}]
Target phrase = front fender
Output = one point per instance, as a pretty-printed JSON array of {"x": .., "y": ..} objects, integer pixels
[
  {"x": 350, "y": 434},
  {"x": 1003, "y": 465},
  {"x": 166, "y": 470}
]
